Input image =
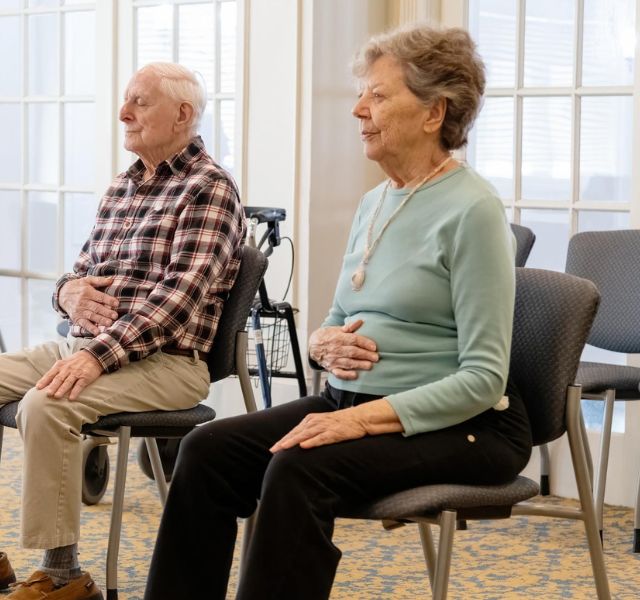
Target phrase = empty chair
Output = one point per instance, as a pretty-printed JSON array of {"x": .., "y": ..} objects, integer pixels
[
  {"x": 524, "y": 242},
  {"x": 553, "y": 315},
  {"x": 610, "y": 259}
]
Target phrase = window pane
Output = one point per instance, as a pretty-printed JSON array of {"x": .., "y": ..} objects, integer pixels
[
  {"x": 79, "y": 144},
  {"x": 491, "y": 146},
  {"x": 548, "y": 43},
  {"x": 226, "y": 133},
  {"x": 594, "y": 220},
  {"x": 34, "y": 3},
  {"x": 552, "y": 238},
  {"x": 10, "y": 39},
  {"x": 79, "y": 217},
  {"x": 11, "y": 4},
  {"x": 10, "y": 143},
  {"x": 43, "y": 143},
  {"x": 593, "y": 410},
  {"x": 42, "y": 318},
  {"x": 492, "y": 24},
  {"x": 10, "y": 228},
  {"x": 206, "y": 130},
  {"x": 609, "y": 42},
  {"x": 228, "y": 27},
  {"x": 10, "y": 318},
  {"x": 605, "y": 149},
  {"x": 155, "y": 33},
  {"x": 546, "y": 149},
  {"x": 196, "y": 46},
  {"x": 42, "y": 234},
  {"x": 79, "y": 53},
  {"x": 43, "y": 54}
]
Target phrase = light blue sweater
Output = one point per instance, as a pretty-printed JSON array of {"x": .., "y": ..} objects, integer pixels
[{"x": 437, "y": 300}]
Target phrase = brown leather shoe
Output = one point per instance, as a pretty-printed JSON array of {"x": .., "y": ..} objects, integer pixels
[
  {"x": 7, "y": 576},
  {"x": 40, "y": 587}
]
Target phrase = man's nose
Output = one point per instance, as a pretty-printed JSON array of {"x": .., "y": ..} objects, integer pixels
[{"x": 125, "y": 113}]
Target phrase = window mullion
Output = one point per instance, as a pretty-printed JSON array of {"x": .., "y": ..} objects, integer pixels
[
  {"x": 175, "y": 34},
  {"x": 576, "y": 122},
  {"x": 517, "y": 112}
]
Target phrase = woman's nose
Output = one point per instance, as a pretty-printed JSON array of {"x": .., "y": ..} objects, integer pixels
[{"x": 360, "y": 109}]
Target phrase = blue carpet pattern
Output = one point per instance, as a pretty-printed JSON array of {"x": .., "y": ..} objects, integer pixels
[{"x": 520, "y": 558}]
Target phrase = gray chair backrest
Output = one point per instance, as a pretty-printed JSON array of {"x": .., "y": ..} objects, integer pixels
[
  {"x": 610, "y": 259},
  {"x": 221, "y": 361},
  {"x": 552, "y": 318},
  {"x": 524, "y": 242}
]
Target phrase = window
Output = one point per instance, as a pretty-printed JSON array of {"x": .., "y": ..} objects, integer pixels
[
  {"x": 58, "y": 108},
  {"x": 47, "y": 156},
  {"x": 202, "y": 36},
  {"x": 555, "y": 134}
]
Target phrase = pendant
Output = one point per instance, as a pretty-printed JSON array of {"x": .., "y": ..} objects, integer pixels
[{"x": 357, "y": 279}]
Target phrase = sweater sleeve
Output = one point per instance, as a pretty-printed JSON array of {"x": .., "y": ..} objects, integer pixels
[{"x": 482, "y": 276}]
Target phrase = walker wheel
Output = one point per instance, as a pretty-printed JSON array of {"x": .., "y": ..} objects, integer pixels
[{"x": 95, "y": 470}]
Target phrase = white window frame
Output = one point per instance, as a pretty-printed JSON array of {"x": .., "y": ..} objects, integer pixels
[
  {"x": 575, "y": 92},
  {"x": 114, "y": 63},
  {"x": 126, "y": 67},
  {"x": 24, "y": 274}
]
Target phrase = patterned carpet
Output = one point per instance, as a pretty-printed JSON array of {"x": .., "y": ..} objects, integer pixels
[{"x": 520, "y": 558}]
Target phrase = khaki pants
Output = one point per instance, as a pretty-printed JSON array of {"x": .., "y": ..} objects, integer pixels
[{"x": 51, "y": 429}]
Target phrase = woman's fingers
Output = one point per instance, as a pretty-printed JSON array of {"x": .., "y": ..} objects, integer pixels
[
  {"x": 352, "y": 326},
  {"x": 345, "y": 374}
]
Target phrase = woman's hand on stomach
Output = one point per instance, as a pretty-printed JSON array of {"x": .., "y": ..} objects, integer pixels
[{"x": 343, "y": 352}]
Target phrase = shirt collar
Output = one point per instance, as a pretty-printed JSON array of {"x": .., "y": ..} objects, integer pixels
[{"x": 179, "y": 164}]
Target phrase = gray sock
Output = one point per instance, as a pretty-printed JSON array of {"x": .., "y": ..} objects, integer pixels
[{"x": 61, "y": 564}]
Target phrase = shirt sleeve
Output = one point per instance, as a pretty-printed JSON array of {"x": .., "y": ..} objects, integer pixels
[
  {"x": 482, "y": 276},
  {"x": 209, "y": 232}
]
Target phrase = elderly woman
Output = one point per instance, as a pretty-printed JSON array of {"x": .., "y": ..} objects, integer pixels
[{"x": 416, "y": 343}]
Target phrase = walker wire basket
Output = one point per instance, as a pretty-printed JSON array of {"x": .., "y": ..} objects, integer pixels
[{"x": 274, "y": 335}]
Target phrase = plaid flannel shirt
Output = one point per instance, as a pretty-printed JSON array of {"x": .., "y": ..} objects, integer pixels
[{"x": 173, "y": 245}]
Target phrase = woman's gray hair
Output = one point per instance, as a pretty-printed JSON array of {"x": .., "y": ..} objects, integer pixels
[
  {"x": 183, "y": 85},
  {"x": 437, "y": 63}
]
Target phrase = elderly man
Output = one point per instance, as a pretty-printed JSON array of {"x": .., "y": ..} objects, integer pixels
[{"x": 144, "y": 301}]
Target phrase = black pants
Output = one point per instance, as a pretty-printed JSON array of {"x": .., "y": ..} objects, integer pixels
[{"x": 224, "y": 467}]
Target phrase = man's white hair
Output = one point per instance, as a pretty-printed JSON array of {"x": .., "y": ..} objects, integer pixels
[{"x": 183, "y": 85}]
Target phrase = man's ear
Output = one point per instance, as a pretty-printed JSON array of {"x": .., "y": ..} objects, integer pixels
[
  {"x": 435, "y": 115},
  {"x": 185, "y": 115}
]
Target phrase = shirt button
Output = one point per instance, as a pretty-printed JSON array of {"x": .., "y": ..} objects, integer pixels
[
  {"x": 127, "y": 223},
  {"x": 471, "y": 438}
]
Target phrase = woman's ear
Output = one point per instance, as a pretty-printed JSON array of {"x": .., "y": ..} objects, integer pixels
[{"x": 435, "y": 115}]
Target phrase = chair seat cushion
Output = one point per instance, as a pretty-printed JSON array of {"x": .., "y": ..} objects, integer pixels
[
  {"x": 8, "y": 414},
  {"x": 187, "y": 418},
  {"x": 597, "y": 377},
  {"x": 431, "y": 499}
]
